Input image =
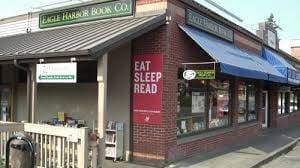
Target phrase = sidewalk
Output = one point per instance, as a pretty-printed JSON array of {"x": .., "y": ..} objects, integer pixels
[
  {"x": 243, "y": 155},
  {"x": 289, "y": 160}
]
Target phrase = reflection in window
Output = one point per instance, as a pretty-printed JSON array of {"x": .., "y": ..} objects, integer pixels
[
  {"x": 201, "y": 105},
  {"x": 281, "y": 103},
  {"x": 293, "y": 102},
  {"x": 218, "y": 114},
  {"x": 246, "y": 95},
  {"x": 191, "y": 116}
]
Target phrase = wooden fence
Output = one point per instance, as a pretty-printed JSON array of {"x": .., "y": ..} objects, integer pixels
[{"x": 59, "y": 147}]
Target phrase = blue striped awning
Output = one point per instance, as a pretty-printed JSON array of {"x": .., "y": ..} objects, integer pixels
[
  {"x": 232, "y": 60},
  {"x": 291, "y": 74}
]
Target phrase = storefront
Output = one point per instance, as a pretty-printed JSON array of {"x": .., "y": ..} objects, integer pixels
[{"x": 181, "y": 78}]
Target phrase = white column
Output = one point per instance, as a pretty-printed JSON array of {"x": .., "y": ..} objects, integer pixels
[
  {"x": 102, "y": 100},
  {"x": 33, "y": 92}
]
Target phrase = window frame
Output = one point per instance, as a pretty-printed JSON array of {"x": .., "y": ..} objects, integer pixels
[
  {"x": 208, "y": 92},
  {"x": 247, "y": 84},
  {"x": 293, "y": 102},
  {"x": 282, "y": 106}
]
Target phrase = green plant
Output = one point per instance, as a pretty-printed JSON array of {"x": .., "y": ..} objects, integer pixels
[{"x": 272, "y": 23}]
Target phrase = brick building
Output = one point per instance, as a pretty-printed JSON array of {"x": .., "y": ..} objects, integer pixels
[
  {"x": 181, "y": 78},
  {"x": 296, "y": 49},
  {"x": 182, "y": 50}
]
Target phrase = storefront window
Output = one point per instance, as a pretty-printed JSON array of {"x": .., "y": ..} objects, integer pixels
[
  {"x": 246, "y": 97},
  {"x": 281, "y": 103},
  {"x": 202, "y": 105},
  {"x": 293, "y": 102},
  {"x": 218, "y": 114},
  {"x": 191, "y": 116}
]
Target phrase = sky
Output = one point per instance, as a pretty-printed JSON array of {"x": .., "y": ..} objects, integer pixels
[{"x": 286, "y": 12}]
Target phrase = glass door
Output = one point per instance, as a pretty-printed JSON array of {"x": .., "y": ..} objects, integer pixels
[
  {"x": 265, "y": 109},
  {"x": 5, "y": 104}
]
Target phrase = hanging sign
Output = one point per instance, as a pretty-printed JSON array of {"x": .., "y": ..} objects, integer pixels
[
  {"x": 90, "y": 12},
  {"x": 208, "y": 25},
  {"x": 147, "y": 88},
  {"x": 205, "y": 74},
  {"x": 56, "y": 73},
  {"x": 189, "y": 74},
  {"x": 199, "y": 74}
]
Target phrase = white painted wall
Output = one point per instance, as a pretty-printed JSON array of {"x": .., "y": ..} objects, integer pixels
[
  {"x": 18, "y": 26},
  {"x": 80, "y": 100},
  {"x": 119, "y": 89}
]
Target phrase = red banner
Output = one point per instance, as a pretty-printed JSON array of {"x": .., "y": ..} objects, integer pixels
[{"x": 147, "y": 88}]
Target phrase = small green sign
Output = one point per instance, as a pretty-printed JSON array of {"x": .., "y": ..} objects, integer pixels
[
  {"x": 205, "y": 74},
  {"x": 56, "y": 77},
  {"x": 91, "y": 12}
]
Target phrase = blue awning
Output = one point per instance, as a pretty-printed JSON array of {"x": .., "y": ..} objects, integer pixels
[
  {"x": 291, "y": 74},
  {"x": 232, "y": 60}
]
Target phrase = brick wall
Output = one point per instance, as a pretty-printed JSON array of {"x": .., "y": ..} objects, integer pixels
[
  {"x": 183, "y": 49},
  {"x": 244, "y": 42},
  {"x": 219, "y": 141},
  {"x": 148, "y": 140},
  {"x": 141, "y": 2},
  {"x": 290, "y": 118},
  {"x": 296, "y": 52},
  {"x": 273, "y": 106},
  {"x": 157, "y": 144}
]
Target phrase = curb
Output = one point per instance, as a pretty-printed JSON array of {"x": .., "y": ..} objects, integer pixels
[{"x": 285, "y": 149}]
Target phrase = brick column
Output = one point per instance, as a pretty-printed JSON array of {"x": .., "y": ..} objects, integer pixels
[
  {"x": 287, "y": 102},
  {"x": 259, "y": 100},
  {"x": 149, "y": 140},
  {"x": 273, "y": 106},
  {"x": 298, "y": 100},
  {"x": 234, "y": 103}
]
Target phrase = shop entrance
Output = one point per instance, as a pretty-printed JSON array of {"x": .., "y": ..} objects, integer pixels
[
  {"x": 5, "y": 93},
  {"x": 265, "y": 107}
]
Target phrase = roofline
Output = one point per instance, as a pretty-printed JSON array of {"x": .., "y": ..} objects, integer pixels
[
  {"x": 54, "y": 9},
  {"x": 284, "y": 54},
  {"x": 130, "y": 35},
  {"x": 101, "y": 48},
  {"x": 229, "y": 23},
  {"x": 222, "y": 19},
  {"x": 288, "y": 56}
]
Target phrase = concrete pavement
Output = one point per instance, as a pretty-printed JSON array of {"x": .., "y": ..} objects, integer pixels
[
  {"x": 243, "y": 155},
  {"x": 289, "y": 160}
]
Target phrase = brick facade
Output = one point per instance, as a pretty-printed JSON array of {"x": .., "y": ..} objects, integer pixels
[
  {"x": 142, "y": 2},
  {"x": 219, "y": 141},
  {"x": 288, "y": 120},
  {"x": 148, "y": 140},
  {"x": 296, "y": 52},
  {"x": 158, "y": 144},
  {"x": 244, "y": 42},
  {"x": 273, "y": 106}
]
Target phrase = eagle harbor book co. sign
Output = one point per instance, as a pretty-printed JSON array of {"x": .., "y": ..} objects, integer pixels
[{"x": 89, "y": 12}]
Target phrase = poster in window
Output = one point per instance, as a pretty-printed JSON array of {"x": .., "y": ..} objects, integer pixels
[{"x": 198, "y": 102}]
